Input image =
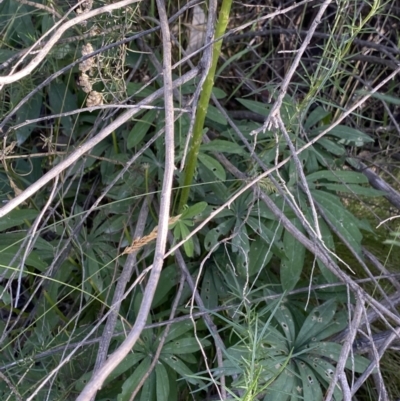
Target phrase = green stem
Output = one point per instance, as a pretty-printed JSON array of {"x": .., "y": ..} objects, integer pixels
[
  {"x": 203, "y": 106},
  {"x": 115, "y": 142}
]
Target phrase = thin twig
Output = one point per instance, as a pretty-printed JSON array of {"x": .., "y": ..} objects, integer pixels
[
  {"x": 156, "y": 356},
  {"x": 12, "y": 387},
  {"x": 219, "y": 344},
  {"x": 374, "y": 260},
  {"x": 82, "y": 149},
  {"x": 50, "y": 10},
  {"x": 119, "y": 291},
  {"x": 275, "y": 110},
  {"x": 347, "y": 346},
  {"x": 196, "y": 315},
  {"x": 8, "y": 79},
  {"x": 31, "y": 235},
  {"x": 97, "y": 380},
  {"x": 9, "y": 117}
]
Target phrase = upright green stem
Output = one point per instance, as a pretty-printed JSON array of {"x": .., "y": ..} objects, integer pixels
[{"x": 203, "y": 105}]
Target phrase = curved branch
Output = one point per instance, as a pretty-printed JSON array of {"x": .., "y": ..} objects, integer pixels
[
  {"x": 81, "y": 150},
  {"x": 101, "y": 375},
  {"x": 378, "y": 183},
  {"x": 8, "y": 79}
]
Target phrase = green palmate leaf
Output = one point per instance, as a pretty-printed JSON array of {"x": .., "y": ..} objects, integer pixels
[
  {"x": 272, "y": 368},
  {"x": 269, "y": 236},
  {"x": 257, "y": 107},
  {"x": 15, "y": 238},
  {"x": 141, "y": 128},
  {"x": 292, "y": 173},
  {"x": 94, "y": 275},
  {"x": 215, "y": 115},
  {"x": 61, "y": 101},
  {"x": 194, "y": 211},
  {"x": 337, "y": 324},
  {"x": 35, "y": 260},
  {"x": 220, "y": 145},
  {"x": 188, "y": 88},
  {"x": 241, "y": 263},
  {"x": 113, "y": 224},
  {"x": 235, "y": 56},
  {"x": 381, "y": 96},
  {"x": 347, "y": 135},
  {"x": 342, "y": 219},
  {"x": 218, "y": 93},
  {"x": 5, "y": 54},
  {"x": 162, "y": 382},
  {"x": 149, "y": 388},
  {"x": 317, "y": 115},
  {"x": 213, "y": 165},
  {"x": 292, "y": 267},
  {"x": 235, "y": 357},
  {"x": 283, "y": 388},
  {"x": 322, "y": 367},
  {"x": 98, "y": 150},
  {"x": 190, "y": 359},
  {"x": 343, "y": 176},
  {"x": 128, "y": 362},
  {"x": 332, "y": 147},
  {"x": 21, "y": 26},
  {"x": 184, "y": 346},
  {"x": 138, "y": 90},
  {"x": 274, "y": 342},
  {"x": 28, "y": 111},
  {"x": 354, "y": 189},
  {"x": 178, "y": 366},
  {"x": 209, "y": 293},
  {"x": 60, "y": 52},
  {"x": 316, "y": 322},
  {"x": 332, "y": 351},
  {"x": 289, "y": 113},
  {"x": 173, "y": 383},
  {"x": 330, "y": 244},
  {"x": 310, "y": 384},
  {"x": 168, "y": 280},
  {"x": 312, "y": 160},
  {"x": 133, "y": 380},
  {"x": 108, "y": 169},
  {"x": 16, "y": 218},
  {"x": 324, "y": 372},
  {"x": 178, "y": 329},
  {"x": 212, "y": 237},
  {"x": 7, "y": 255},
  {"x": 240, "y": 241},
  {"x": 219, "y": 282},
  {"x": 6, "y": 300},
  {"x": 259, "y": 256},
  {"x": 217, "y": 190},
  {"x": 323, "y": 158},
  {"x": 285, "y": 320},
  {"x": 261, "y": 210},
  {"x": 181, "y": 231}
]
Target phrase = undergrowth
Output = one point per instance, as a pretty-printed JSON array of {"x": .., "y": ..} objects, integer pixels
[{"x": 265, "y": 268}]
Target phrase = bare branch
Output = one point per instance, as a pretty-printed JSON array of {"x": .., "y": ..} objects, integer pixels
[
  {"x": 8, "y": 79},
  {"x": 82, "y": 149},
  {"x": 98, "y": 379}
]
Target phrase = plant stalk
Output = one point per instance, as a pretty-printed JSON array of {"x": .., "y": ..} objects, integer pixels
[{"x": 204, "y": 100}]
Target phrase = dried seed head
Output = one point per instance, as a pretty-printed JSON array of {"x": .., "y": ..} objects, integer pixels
[
  {"x": 84, "y": 82},
  {"x": 94, "y": 99}
]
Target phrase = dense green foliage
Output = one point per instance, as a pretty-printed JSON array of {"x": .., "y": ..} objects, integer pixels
[{"x": 271, "y": 300}]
